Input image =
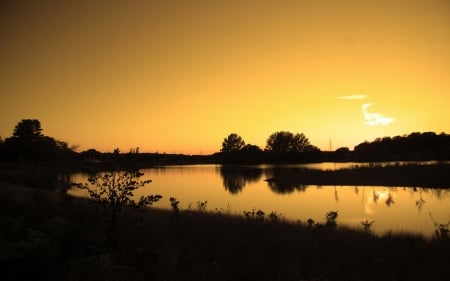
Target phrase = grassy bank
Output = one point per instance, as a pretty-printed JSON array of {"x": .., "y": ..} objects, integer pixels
[
  {"x": 413, "y": 175},
  {"x": 46, "y": 235}
]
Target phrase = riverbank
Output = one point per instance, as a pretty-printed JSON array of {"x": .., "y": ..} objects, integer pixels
[
  {"x": 53, "y": 174},
  {"x": 413, "y": 175},
  {"x": 47, "y": 235}
]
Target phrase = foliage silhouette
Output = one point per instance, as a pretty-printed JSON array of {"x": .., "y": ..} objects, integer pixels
[
  {"x": 174, "y": 203},
  {"x": 282, "y": 142},
  {"x": 232, "y": 143},
  {"x": 235, "y": 178},
  {"x": 413, "y": 147},
  {"x": 28, "y": 129},
  {"x": 28, "y": 143},
  {"x": 254, "y": 214},
  {"x": 331, "y": 219},
  {"x": 282, "y": 184},
  {"x": 366, "y": 224},
  {"x": 114, "y": 190}
]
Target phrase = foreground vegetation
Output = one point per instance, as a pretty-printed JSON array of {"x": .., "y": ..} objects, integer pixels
[{"x": 47, "y": 235}]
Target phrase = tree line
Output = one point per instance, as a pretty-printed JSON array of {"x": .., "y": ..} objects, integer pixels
[
  {"x": 413, "y": 147},
  {"x": 28, "y": 143},
  {"x": 281, "y": 146},
  {"x": 288, "y": 147}
]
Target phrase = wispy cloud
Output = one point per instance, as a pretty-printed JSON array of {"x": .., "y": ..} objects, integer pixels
[
  {"x": 373, "y": 119},
  {"x": 353, "y": 97}
]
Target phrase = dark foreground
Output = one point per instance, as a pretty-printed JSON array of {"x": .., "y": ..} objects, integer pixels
[{"x": 45, "y": 235}]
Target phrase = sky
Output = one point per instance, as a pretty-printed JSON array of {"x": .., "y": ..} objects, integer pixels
[{"x": 180, "y": 76}]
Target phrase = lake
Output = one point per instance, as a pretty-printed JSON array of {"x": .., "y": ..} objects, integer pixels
[{"x": 235, "y": 189}]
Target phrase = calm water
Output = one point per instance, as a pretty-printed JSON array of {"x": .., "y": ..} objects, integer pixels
[{"x": 243, "y": 188}]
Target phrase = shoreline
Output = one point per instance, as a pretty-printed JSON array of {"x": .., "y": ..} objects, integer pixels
[
  {"x": 58, "y": 237},
  {"x": 412, "y": 174},
  {"x": 409, "y": 175}
]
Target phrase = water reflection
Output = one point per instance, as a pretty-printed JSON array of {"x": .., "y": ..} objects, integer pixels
[
  {"x": 235, "y": 177},
  {"x": 280, "y": 187},
  {"x": 385, "y": 196},
  {"x": 285, "y": 187},
  {"x": 390, "y": 199},
  {"x": 375, "y": 196},
  {"x": 244, "y": 188},
  {"x": 420, "y": 202}
]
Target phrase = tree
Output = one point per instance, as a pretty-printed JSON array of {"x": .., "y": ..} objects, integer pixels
[
  {"x": 232, "y": 143},
  {"x": 115, "y": 190},
  {"x": 28, "y": 143},
  {"x": 28, "y": 129},
  {"x": 283, "y": 141},
  {"x": 251, "y": 148},
  {"x": 2, "y": 145}
]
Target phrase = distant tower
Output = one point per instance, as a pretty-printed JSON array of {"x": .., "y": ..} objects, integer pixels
[{"x": 331, "y": 147}]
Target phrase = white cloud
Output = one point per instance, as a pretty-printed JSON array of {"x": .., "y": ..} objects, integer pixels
[
  {"x": 353, "y": 97},
  {"x": 373, "y": 119}
]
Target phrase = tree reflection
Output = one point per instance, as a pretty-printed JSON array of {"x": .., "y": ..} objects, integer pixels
[
  {"x": 279, "y": 181},
  {"x": 375, "y": 196},
  {"x": 285, "y": 187},
  {"x": 420, "y": 202},
  {"x": 235, "y": 178},
  {"x": 390, "y": 199},
  {"x": 440, "y": 193}
]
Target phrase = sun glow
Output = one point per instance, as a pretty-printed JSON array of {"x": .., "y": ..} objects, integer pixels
[
  {"x": 374, "y": 198},
  {"x": 173, "y": 77}
]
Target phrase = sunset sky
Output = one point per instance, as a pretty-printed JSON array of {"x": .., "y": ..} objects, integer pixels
[{"x": 179, "y": 76}]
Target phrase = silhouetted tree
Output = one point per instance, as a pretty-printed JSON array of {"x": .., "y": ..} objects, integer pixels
[
  {"x": 232, "y": 143},
  {"x": 28, "y": 129},
  {"x": 415, "y": 146},
  {"x": 92, "y": 154},
  {"x": 115, "y": 190},
  {"x": 28, "y": 143},
  {"x": 248, "y": 154},
  {"x": 342, "y": 154},
  {"x": 2, "y": 148},
  {"x": 251, "y": 148},
  {"x": 283, "y": 141}
]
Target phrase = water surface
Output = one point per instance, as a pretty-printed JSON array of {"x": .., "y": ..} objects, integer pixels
[{"x": 236, "y": 189}]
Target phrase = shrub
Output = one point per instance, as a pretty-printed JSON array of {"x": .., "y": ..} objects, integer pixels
[{"x": 114, "y": 190}]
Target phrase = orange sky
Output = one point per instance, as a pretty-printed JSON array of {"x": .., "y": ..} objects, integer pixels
[{"x": 179, "y": 76}]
